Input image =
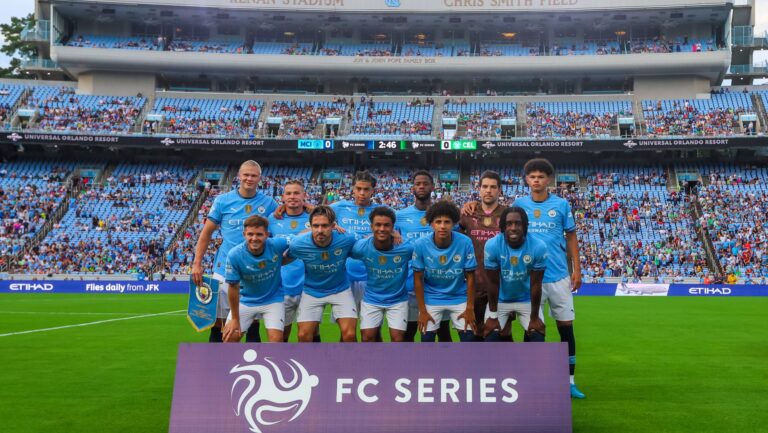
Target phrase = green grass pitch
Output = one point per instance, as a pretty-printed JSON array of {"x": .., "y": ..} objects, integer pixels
[{"x": 646, "y": 364}]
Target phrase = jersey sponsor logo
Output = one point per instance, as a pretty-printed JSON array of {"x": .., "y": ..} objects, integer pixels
[
  {"x": 443, "y": 260},
  {"x": 514, "y": 260},
  {"x": 527, "y": 259},
  {"x": 537, "y": 213},
  {"x": 457, "y": 258},
  {"x": 248, "y": 208},
  {"x": 382, "y": 260},
  {"x": 265, "y": 396}
]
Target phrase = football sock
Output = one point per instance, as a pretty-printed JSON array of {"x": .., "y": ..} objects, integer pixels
[
  {"x": 466, "y": 336},
  {"x": 566, "y": 335},
  {"x": 444, "y": 333},
  {"x": 215, "y": 336},
  {"x": 410, "y": 332},
  {"x": 428, "y": 337}
]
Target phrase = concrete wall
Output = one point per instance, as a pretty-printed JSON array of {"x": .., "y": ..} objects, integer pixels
[
  {"x": 670, "y": 87},
  {"x": 116, "y": 83}
]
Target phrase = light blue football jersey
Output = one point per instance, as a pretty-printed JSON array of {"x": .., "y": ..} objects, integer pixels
[
  {"x": 288, "y": 228},
  {"x": 325, "y": 270},
  {"x": 229, "y": 211},
  {"x": 387, "y": 271},
  {"x": 259, "y": 276},
  {"x": 548, "y": 221},
  {"x": 444, "y": 268},
  {"x": 354, "y": 219},
  {"x": 515, "y": 266}
]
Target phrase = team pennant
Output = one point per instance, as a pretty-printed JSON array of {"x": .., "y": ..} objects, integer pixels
[{"x": 203, "y": 300}]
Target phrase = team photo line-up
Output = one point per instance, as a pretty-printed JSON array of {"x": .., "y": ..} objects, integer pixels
[{"x": 425, "y": 268}]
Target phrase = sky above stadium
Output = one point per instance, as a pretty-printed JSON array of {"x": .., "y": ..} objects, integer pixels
[{"x": 17, "y": 8}]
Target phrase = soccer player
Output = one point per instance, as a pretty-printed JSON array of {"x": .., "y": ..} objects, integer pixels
[
  {"x": 353, "y": 217},
  {"x": 515, "y": 265},
  {"x": 324, "y": 252},
  {"x": 228, "y": 212},
  {"x": 294, "y": 222},
  {"x": 549, "y": 218},
  {"x": 387, "y": 268},
  {"x": 481, "y": 223},
  {"x": 253, "y": 276},
  {"x": 443, "y": 272},
  {"x": 412, "y": 225}
]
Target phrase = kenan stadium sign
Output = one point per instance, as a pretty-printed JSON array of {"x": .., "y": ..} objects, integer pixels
[
  {"x": 371, "y": 388},
  {"x": 511, "y": 145}
]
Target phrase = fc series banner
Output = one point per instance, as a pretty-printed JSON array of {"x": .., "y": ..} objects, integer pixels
[
  {"x": 413, "y": 144},
  {"x": 371, "y": 388}
]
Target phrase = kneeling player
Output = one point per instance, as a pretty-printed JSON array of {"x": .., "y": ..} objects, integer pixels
[
  {"x": 387, "y": 269},
  {"x": 515, "y": 265},
  {"x": 253, "y": 275},
  {"x": 443, "y": 272}
]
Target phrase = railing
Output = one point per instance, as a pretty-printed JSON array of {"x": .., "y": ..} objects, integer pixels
[
  {"x": 39, "y": 64},
  {"x": 748, "y": 70},
  {"x": 40, "y": 31}
]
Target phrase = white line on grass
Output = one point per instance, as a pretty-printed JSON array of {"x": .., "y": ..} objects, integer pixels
[
  {"x": 72, "y": 313},
  {"x": 77, "y": 325}
]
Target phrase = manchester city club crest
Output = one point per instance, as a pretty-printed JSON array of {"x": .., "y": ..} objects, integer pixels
[
  {"x": 424, "y": 221},
  {"x": 457, "y": 258},
  {"x": 360, "y": 211},
  {"x": 337, "y": 252},
  {"x": 261, "y": 209},
  {"x": 552, "y": 213},
  {"x": 262, "y": 265},
  {"x": 514, "y": 260},
  {"x": 325, "y": 255},
  {"x": 248, "y": 209},
  {"x": 382, "y": 260},
  {"x": 294, "y": 224},
  {"x": 537, "y": 213},
  {"x": 204, "y": 293},
  {"x": 274, "y": 258},
  {"x": 443, "y": 260},
  {"x": 527, "y": 259},
  {"x": 397, "y": 259}
]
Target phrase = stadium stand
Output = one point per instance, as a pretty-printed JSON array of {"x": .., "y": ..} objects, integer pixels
[
  {"x": 300, "y": 119},
  {"x": 479, "y": 119},
  {"x": 575, "y": 119},
  {"x": 702, "y": 117},
  {"x": 122, "y": 227},
  {"x": 116, "y": 42},
  {"x": 179, "y": 257},
  {"x": 29, "y": 193},
  {"x": 227, "y": 117},
  {"x": 9, "y": 97},
  {"x": 393, "y": 119}
]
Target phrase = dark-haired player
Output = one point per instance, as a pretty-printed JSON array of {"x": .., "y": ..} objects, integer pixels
[
  {"x": 550, "y": 220},
  {"x": 515, "y": 264},
  {"x": 444, "y": 279}
]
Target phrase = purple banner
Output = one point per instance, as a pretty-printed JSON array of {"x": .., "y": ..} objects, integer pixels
[{"x": 372, "y": 388}]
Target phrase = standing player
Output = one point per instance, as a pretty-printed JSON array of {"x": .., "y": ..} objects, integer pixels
[
  {"x": 353, "y": 217},
  {"x": 549, "y": 217},
  {"x": 443, "y": 272},
  {"x": 412, "y": 225},
  {"x": 295, "y": 221},
  {"x": 515, "y": 265},
  {"x": 387, "y": 268},
  {"x": 253, "y": 276},
  {"x": 324, "y": 252},
  {"x": 481, "y": 223},
  {"x": 228, "y": 212}
]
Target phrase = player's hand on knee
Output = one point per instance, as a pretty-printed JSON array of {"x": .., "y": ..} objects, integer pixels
[
  {"x": 232, "y": 332},
  {"x": 469, "y": 208},
  {"x": 490, "y": 326},
  {"x": 424, "y": 319},
  {"x": 469, "y": 319},
  {"x": 536, "y": 325}
]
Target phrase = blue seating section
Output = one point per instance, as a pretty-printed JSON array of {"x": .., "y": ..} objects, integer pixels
[
  {"x": 575, "y": 119},
  {"x": 10, "y": 94},
  {"x": 121, "y": 42},
  {"x": 301, "y": 118},
  {"x": 282, "y": 48},
  {"x": 209, "y": 46},
  {"x": 89, "y": 113},
  {"x": 425, "y": 50},
  {"x": 480, "y": 119},
  {"x": 392, "y": 119},
  {"x": 712, "y": 117}
]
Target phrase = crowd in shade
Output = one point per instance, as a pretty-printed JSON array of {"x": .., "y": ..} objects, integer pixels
[
  {"x": 542, "y": 123},
  {"x": 179, "y": 257},
  {"x": 403, "y": 127},
  {"x": 479, "y": 124},
  {"x": 297, "y": 50},
  {"x": 686, "y": 119},
  {"x": 735, "y": 216},
  {"x": 89, "y": 113},
  {"x": 123, "y": 226},
  {"x": 26, "y": 202},
  {"x": 300, "y": 120}
]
